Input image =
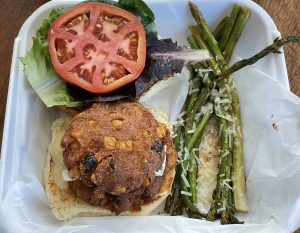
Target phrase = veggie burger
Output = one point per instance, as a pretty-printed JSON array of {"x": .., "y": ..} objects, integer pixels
[{"x": 114, "y": 157}]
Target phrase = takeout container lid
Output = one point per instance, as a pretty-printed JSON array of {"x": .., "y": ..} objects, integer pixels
[{"x": 14, "y": 126}]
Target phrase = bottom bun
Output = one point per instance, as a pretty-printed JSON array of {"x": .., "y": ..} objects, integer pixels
[{"x": 66, "y": 205}]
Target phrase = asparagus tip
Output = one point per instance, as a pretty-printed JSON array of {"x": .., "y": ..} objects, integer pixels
[{"x": 273, "y": 48}]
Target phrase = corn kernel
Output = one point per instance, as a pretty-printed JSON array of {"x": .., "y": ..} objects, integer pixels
[
  {"x": 76, "y": 133},
  {"x": 120, "y": 189},
  {"x": 161, "y": 130},
  {"x": 117, "y": 123},
  {"x": 110, "y": 142},
  {"x": 124, "y": 111},
  {"x": 146, "y": 182},
  {"x": 125, "y": 145},
  {"x": 91, "y": 122},
  {"x": 146, "y": 133},
  {"x": 74, "y": 173}
]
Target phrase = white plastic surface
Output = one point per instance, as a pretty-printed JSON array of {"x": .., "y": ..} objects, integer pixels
[{"x": 27, "y": 123}]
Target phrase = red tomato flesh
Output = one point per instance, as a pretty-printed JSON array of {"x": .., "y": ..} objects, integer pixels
[{"x": 97, "y": 47}]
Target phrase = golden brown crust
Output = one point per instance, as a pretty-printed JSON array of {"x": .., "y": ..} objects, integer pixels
[
  {"x": 66, "y": 205},
  {"x": 70, "y": 111},
  {"x": 116, "y": 149}
]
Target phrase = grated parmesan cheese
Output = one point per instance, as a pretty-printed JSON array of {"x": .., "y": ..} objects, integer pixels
[
  {"x": 186, "y": 154},
  {"x": 226, "y": 117},
  {"x": 192, "y": 81},
  {"x": 186, "y": 193},
  {"x": 174, "y": 135},
  {"x": 239, "y": 131},
  {"x": 181, "y": 114},
  {"x": 197, "y": 159},
  {"x": 205, "y": 78},
  {"x": 186, "y": 182},
  {"x": 191, "y": 131},
  {"x": 220, "y": 210},
  {"x": 197, "y": 116},
  {"x": 226, "y": 183},
  {"x": 224, "y": 154},
  {"x": 193, "y": 91}
]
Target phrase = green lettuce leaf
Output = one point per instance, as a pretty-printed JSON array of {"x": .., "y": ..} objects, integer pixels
[
  {"x": 42, "y": 32},
  {"x": 46, "y": 82},
  {"x": 43, "y": 78},
  {"x": 140, "y": 9},
  {"x": 138, "y": 5}
]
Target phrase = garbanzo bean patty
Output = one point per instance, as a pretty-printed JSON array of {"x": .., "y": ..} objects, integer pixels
[{"x": 115, "y": 154}]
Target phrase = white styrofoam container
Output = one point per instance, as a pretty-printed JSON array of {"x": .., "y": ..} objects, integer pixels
[{"x": 28, "y": 121}]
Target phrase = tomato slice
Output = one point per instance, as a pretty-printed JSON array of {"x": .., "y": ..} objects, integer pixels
[{"x": 97, "y": 46}]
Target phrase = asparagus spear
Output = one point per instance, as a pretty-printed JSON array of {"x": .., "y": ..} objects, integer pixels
[
  {"x": 202, "y": 44},
  {"x": 227, "y": 216},
  {"x": 238, "y": 177},
  {"x": 192, "y": 174},
  {"x": 195, "y": 88},
  {"x": 192, "y": 42},
  {"x": 173, "y": 202},
  {"x": 192, "y": 177},
  {"x": 206, "y": 80},
  {"x": 229, "y": 26},
  {"x": 218, "y": 199},
  {"x": 193, "y": 170},
  {"x": 238, "y": 174},
  {"x": 199, "y": 130},
  {"x": 220, "y": 195},
  {"x": 220, "y": 28},
  {"x": 191, "y": 114},
  {"x": 218, "y": 190},
  {"x": 236, "y": 33},
  {"x": 273, "y": 48},
  {"x": 198, "y": 66},
  {"x": 190, "y": 99},
  {"x": 184, "y": 166},
  {"x": 209, "y": 38},
  {"x": 176, "y": 140}
]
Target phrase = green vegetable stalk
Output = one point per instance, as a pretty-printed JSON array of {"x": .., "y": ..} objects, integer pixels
[
  {"x": 223, "y": 192},
  {"x": 213, "y": 63},
  {"x": 192, "y": 176},
  {"x": 236, "y": 33},
  {"x": 238, "y": 177},
  {"x": 190, "y": 119},
  {"x": 273, "y": 48},
  {"x": 188, "y": 165},
  {"x": 229, "y": 26},
  {"x": 218, "y": 31},
  {"x": 209, "y": 38}
]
